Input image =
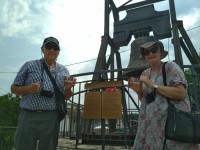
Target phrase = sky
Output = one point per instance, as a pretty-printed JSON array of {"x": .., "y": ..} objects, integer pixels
[{"x": 78, "y": 25}]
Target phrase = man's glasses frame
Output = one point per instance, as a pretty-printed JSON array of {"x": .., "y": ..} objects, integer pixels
[{"x": 52, "y": 46}]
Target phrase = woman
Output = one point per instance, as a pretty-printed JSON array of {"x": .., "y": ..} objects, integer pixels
[{"x": 152, "y": 94}]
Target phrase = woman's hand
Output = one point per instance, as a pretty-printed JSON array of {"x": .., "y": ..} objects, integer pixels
[
  {"x": 135, "y": 84},
  {"x": 146, "y": 81},
  {"x": 178, "y": 92}
]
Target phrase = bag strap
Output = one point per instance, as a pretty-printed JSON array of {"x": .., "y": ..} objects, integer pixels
[
  {"x": 165, "y": 84},
  {"x": 165, "y": 78},
  {"x": 168, "y": 101},
  {"x": 164, "y": 73},
  {"x": 51, "y": 77}
]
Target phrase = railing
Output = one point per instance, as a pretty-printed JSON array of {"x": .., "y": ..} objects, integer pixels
[
  {"x": 99, "y": 131},
  {"x": 91, "y": 131}
]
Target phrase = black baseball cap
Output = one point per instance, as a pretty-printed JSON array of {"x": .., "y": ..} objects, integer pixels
[{"x": 51, "y": 40}]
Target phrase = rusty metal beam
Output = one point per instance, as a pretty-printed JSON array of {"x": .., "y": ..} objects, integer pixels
[
  {"x": 188, "y": 42},
  {"x": 139, "y": 4},
  {"x": 187, "y": 52},
  {"x": 175, "y": 34}
]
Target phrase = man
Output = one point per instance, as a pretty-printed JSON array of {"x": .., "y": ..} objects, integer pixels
[{"x": 38, "y": 121}]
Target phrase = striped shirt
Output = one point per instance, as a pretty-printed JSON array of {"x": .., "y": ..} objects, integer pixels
[{"x": 32, "y": 72}]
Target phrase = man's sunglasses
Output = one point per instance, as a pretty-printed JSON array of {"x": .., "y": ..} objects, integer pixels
[
  {"x": 147, "y": 52},
  {"x": 50, "y": 46}
]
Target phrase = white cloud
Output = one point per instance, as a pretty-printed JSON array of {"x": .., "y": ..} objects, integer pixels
[
  {"x": 78, "y": 29},
  {"x": 191, "y": 19},
  {"x": 11, "y": 16},
  {"x": 78, "y": 24},
  {"x": 25, "y": 19}
]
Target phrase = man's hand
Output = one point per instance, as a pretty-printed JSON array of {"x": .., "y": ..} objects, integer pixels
[
  {"x": 34, "y": 87},
  {"x": 25, "y": 89},
  {"x": 69, "y": 82}
]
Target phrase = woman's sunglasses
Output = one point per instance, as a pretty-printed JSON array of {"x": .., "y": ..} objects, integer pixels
[
  {"x": 53, "y": 46},
  {"x": 147, "y": 52}
]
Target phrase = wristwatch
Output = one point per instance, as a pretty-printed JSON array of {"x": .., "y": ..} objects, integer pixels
[{"x": 155, "y": 86}]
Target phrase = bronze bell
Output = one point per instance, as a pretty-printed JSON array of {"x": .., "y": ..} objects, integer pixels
[{"x": 137, "y": 63}]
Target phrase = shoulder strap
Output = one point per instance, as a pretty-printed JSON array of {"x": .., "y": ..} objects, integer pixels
[
  {"x": 165, "y": 78},
  {"x": 164, "y": 74},
  {"x": 165, "y": 83},
  {"x": 50, "y": 76}
]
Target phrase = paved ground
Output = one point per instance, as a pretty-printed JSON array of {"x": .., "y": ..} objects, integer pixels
[{"x": 66, "y": 144}]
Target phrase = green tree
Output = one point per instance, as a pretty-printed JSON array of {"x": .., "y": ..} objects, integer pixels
[
  {"x": 193, "y": 79},
  {"x": 9, "y": 112}
]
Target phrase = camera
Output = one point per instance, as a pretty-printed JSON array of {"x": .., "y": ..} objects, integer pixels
[
  {"x": 46, "y": 93},
  {"x": 150, "y": 97}
]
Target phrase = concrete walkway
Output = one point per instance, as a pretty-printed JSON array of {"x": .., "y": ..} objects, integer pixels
[{"x": 66, "y": 144}]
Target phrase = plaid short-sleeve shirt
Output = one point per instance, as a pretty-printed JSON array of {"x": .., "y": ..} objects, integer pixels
[{"x": 32, "y": 72}]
